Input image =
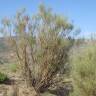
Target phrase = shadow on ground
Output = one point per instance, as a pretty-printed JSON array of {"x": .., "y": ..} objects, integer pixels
[{"x": 61, "y": 91}]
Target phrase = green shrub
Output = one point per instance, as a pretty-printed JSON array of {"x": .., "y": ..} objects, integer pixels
[
  {"x": 3, "y": 77},
  {"x": 13, "y": 67},
  {"x": 84, "y": 71}
]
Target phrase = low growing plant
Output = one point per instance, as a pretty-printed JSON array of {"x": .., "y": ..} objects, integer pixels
[{"x": 3, "y": 77}]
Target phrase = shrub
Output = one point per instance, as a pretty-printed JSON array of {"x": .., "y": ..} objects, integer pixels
[
  {"x": 13, "y": 67},
  {"x": 84, "y": 71},
  {"x": 3, "y": 77},
  {"x": 42, "y": 58}
]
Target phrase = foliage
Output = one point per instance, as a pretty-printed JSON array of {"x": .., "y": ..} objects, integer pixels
[
  {"x": 41, "y": 44},
  {"x": 3, "y": 77},
  {"x": 13, "y": 67},
  {"x": 84, "y": 71}
]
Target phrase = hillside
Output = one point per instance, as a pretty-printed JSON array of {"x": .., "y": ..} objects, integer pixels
[{"x": 5, "y": 52}]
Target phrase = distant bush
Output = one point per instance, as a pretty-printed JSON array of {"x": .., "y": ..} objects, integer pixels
[
  {"x": 84, "y": 71},
  {"x": 3, "y": 77},
  {"x": 13, "y": 67}
]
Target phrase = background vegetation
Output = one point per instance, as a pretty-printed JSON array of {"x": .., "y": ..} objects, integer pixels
[{"x": 84, "y": 70}]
